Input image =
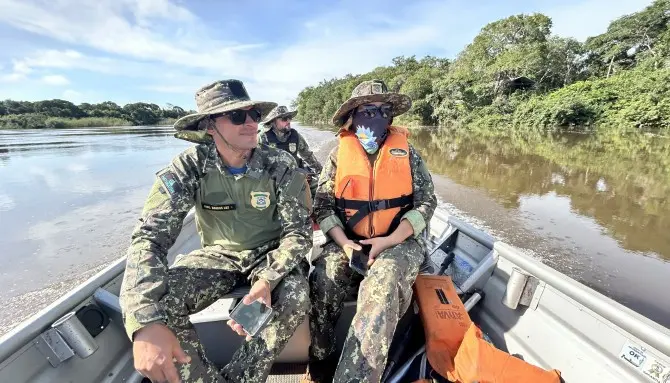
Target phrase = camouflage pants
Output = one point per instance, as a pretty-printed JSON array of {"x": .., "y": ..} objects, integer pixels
[
  {"x": 313, "y": 184},
  {"x": 383, "y": 297},
  {"x": 197, "y": 280}
]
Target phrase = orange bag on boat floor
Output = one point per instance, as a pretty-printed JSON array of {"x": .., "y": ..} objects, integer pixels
[
  {"x": 454, "y": 345},
  {"x": 479, "y": 361},
  {"x": 444, "y": 319}
]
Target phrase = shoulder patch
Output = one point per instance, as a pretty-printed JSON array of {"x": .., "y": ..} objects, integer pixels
[
  {"x": 397, "y": 152},
  {"x": 169, "y": 180}
]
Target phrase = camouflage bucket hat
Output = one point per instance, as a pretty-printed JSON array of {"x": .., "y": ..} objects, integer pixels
[
  {"x": 278, "y": 112},
  {"x": 217, "y": 97},
  {"x": 372, "y": 91}
]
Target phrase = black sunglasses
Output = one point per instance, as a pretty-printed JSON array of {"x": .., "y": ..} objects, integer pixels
[
  {"x": 239, "y": 116},
  {"x": 285, "y": 119},
  {"x": 371, "y": 110}
]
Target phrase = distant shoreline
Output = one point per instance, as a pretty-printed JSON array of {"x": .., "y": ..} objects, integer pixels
[
  {"x": 62, "y": 114},
  {"x": 37, "y": 122}
]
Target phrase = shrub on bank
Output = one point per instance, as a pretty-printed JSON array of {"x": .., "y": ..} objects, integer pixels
[
  {"x": 86, "y": 122},
  {"x": 40, "y": 121},
  {"x": 637, "y": 98},
  {"x": 23, "y": 121}
]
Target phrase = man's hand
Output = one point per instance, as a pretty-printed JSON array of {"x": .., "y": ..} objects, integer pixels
[
  {"x": 379, "y": 244},
  {"x": 154, "y": 348},
  {"x": 260, "y": 291},
  {"x": 349, "y": 246}
]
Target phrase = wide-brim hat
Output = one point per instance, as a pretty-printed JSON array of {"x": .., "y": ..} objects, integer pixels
[
  {"x": 279, "y": 112},
  {"x": 217, "y": 97},
  {"x": 372, "y": 91}
]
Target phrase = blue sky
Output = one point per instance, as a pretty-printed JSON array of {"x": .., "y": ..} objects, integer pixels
[{"x": 161, "y": 51}]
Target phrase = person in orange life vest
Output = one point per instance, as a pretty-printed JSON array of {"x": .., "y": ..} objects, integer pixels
[{"x": 374, "y": 188}]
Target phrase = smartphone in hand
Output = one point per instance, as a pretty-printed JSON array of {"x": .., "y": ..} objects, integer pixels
[
  {"x": 252, "y": 317},
  {"x": 359, "y": 259}
]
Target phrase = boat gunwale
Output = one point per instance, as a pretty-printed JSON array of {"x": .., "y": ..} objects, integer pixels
[{"x": 32, "y": 327}]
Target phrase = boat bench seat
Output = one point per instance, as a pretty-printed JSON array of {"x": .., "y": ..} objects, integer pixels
[{"x": 220, "y": 341}]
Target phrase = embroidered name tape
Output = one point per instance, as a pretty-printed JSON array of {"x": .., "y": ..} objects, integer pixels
[{"x": 226, "y": 207}]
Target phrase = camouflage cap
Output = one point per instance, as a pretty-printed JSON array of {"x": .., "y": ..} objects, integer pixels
[
  {"x": 218, "y": 97},
  {"x": 278, "y": 112},
  {"x": 372, "y": 91}
]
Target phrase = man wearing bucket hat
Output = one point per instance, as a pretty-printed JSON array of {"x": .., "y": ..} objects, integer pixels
[
  {"x": 279, "y": 134},
  {"x": 252, "y": 215},
  {"x": 374, "y": 190}
]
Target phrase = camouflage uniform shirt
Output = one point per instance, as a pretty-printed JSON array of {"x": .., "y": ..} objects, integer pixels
[
  {"x": 304, "y": 152},
  {"x": 174, "y": 193}
]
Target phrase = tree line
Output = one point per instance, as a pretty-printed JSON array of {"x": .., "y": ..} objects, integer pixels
[
  {"x": 516, "y": 73},
  {"x": 64, "y": 114}
]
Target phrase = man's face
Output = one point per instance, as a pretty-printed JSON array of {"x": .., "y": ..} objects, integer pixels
[
  {"x": 238, "y": 128},
  {"x": 283, "y": 123}
]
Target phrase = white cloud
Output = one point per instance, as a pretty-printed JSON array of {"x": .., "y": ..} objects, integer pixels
[
  {"x": 72, "y": 96},
  {"x": 171, "y": 51},
  {"x": 21, "y": 68},
  {"x": 55, "y": 80},
  {"x": 103, "y": 25},
  {"x": 12, "y": 77},
  {"x": 19, "y": 73}
]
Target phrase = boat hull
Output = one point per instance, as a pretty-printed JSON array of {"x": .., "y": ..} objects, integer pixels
[{"x": 528, "y": 309}]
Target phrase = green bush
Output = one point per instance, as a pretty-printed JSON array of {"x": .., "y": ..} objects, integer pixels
[
  {"x": 40, "y": 121},
  {"x": 23, "y": 121}
]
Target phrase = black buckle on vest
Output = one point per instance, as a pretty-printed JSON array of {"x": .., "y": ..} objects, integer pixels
[{"x": 380, "y": 205}]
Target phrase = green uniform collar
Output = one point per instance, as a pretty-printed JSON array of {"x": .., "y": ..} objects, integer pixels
[{"x": 214, "y": 162}]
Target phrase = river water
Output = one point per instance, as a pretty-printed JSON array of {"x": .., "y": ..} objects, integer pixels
[{"x": 593, "y": 207}]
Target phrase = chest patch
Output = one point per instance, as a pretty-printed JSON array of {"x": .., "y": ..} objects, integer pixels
[
  {"x": 260, "y": 200},
  {"x": 397, "y": 152},
  {"x": 292, "y": 147}
]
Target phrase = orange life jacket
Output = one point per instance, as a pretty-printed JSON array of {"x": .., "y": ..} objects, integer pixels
[
  {"x": 454, "y": 345},
  {"x": 479, "y": 361},
  {"x": 371, "y": 199}
]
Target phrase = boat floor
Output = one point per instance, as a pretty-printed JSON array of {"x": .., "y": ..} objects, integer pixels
[
  {"x": 280, "y": 373},
  {"x": 286, "y": 373}
]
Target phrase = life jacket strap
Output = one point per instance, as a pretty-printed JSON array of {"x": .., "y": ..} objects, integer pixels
[{"x": 365, "y": 208}]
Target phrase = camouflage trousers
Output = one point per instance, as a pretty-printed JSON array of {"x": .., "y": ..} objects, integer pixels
[
  {"x": 313, "y": 184},
  {"x": 200, "y": 278},
  {"x": 383, "y": 297}
]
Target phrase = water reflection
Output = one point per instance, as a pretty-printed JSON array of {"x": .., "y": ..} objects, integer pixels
[
  {"x": 69, "y": 198},
  {"x": 74, "y": 142},
  {"x": 621, "y": 182}
]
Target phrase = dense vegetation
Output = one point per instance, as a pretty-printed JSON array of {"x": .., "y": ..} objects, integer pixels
[
  {"x": 64, "y": 114},
  {"x": 516, "y": 73}
]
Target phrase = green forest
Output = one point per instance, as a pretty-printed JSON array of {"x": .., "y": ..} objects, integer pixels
[
  {"x": 516, "y": 74},
  {"x": 55, "y": 114}
]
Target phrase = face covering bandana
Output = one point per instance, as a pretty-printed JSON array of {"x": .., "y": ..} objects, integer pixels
[{"x": 371, "y": 131}]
